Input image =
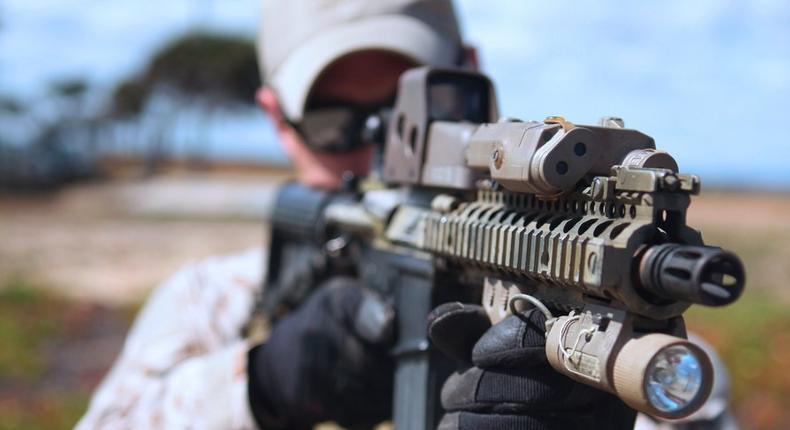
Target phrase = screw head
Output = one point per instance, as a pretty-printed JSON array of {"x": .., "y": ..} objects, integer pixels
[{"x": 497, "y": 158}]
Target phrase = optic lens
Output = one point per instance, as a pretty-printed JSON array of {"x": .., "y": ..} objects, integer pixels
[{"x": 674, "y": 379}]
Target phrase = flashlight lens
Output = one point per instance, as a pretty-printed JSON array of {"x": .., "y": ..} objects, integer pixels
[{"x": 674, "y": 379}]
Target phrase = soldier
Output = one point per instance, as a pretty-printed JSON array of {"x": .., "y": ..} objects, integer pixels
[{"x": 185, "y": 363}]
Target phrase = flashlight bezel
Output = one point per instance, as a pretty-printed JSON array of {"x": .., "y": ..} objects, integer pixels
[
  {"x": 699, "y": 396},
  {"x": 635, "y": 360}
]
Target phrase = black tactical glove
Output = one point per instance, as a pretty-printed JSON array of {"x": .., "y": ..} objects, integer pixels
[
  {"x": 326, "y": 361},
  {"x": 507, "y": 382}
]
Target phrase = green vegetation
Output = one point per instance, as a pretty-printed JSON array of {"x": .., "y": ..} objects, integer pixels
[
  {"x": 41, "y": 388},
  {"x": 26, "y": 320},
  {"x": 753, "y": 338},
  {"x": 48, "y": 412}
]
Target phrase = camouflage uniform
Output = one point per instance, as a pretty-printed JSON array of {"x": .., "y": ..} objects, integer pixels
[{"x": 185, "y": 356}]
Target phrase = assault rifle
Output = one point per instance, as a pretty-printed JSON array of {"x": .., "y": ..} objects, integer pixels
[{"x": 586, "y": 223}]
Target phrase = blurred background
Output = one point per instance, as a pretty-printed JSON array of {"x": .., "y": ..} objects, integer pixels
[{"x": 130, "y": 145}]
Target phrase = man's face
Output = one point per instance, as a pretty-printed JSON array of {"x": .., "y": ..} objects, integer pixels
[{"x": 362, "y": 79}]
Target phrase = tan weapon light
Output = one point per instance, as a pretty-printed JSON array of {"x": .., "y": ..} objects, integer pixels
[
  {"x": 658, "y": 374},
  {"x": 663, "y": 375}
]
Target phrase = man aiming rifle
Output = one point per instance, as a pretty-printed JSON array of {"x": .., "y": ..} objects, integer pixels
[{"x": 328, "y": 66}]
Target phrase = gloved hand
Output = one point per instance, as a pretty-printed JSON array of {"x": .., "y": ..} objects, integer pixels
[
  {"x": 326, "y": 361},
  {"x": 507, "y": 382}
]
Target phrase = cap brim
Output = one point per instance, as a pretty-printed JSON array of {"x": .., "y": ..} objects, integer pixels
[{"x": 403, "y": 35}]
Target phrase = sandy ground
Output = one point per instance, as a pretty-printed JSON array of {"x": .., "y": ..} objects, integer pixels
[
  {"x": 756, "y": 226},
  {"x": 753, "y": 211},
  {"x": 112, "y": 242}
]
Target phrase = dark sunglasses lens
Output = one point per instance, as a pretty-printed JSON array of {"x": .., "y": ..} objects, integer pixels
[{"x": 332, "y": 128}]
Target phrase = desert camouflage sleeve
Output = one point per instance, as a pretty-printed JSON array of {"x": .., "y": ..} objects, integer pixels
[{"x": 184, "y": 361}]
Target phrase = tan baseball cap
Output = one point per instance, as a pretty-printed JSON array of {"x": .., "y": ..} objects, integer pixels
[{"x": 300, "y": 38}]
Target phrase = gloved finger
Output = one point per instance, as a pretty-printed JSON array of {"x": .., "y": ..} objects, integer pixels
[
  {"x": 516, "y": 341},
  {"x": 536, "y": 421},
  {"x": 362, "y": 311},
  {"x": 454, "y": 328},
  {"x": 525, "y": 390}
]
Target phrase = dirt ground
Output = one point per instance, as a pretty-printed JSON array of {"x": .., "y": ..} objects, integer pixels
[
  {"x": 112, "y": 243},
  {"x": 756, "y": 226},
  {"x": 108, "y": 244}
]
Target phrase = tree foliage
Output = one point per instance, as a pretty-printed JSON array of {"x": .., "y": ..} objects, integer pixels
[
  {"x": 129, "y": 98},
  {"x": 71, "y": 88},
  {"x": 11, "y": 105},
  {"x": 206, "y": 67}
]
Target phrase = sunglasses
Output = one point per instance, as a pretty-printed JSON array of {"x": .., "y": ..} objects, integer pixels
[{"x": 336, "y": 126}]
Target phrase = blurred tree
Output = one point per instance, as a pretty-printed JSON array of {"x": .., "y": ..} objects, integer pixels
[
  {"x": 129, "y": 98},
  {"x": 60, "y": 149},
  {"x": 209, "y": 68},
  {"x": 11, "y": 105},
  {"x": 212, "y": 67},
  {"x": 204, "y": 71},
  {"x": 68, "y": 97},
  {"x": 71, "y": 88}
]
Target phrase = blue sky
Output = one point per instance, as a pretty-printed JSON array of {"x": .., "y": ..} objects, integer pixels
[{"x": 708, "y": 79}]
